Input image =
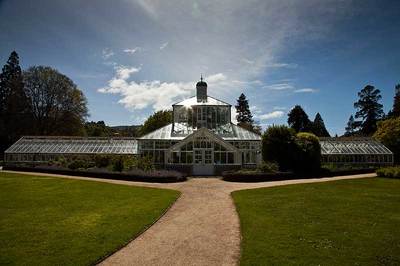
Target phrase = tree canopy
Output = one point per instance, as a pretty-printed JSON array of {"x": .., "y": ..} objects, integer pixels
[
  {"x": 14, "y": 105},
  {"x": 396, "y": 102},
  {"x": 369, "y": 109},
  {"x": 298, "y": 119},
  {"x": 156, "y": 121},
  {"x": 243, "y": 115},
  {"x": 97, "y": 129},
  {"x": 388, "y": 133},
  {"x": 278, "y": 145},
  {"x": 57, "y": 105},
  {"x": 318, "y": 127}
]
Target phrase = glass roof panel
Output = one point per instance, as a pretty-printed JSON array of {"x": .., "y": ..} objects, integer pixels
[
  {"x": 74, "y": 145},
  {"x": 352, "y": 146}
]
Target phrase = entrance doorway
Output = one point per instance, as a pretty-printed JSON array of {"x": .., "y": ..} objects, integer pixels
[{"x": 203, "y": 163}]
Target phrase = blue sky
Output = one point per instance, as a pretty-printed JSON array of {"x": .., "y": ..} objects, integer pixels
[{"x": 132, "y": 57}]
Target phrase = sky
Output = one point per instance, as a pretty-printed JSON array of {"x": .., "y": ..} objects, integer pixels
[{"x": 134, "y": 57}]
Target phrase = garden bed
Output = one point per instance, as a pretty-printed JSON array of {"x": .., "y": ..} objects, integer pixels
[{"x": 154, "y": 176}]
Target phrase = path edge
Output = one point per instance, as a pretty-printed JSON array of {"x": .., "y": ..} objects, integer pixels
[{"x": 102, "y": 259}]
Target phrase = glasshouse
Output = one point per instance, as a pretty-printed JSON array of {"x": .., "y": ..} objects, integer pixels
[
  {"x": 201, "y": 140},
  {"x": 355, "y": 151}
]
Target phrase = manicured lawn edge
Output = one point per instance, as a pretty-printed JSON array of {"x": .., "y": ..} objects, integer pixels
[
  {"x": 280, "y": 176},
  {"x": 107, "y": 252},
  {"x": 141, "y": 232},
  {"x": 241, "y": 224}
]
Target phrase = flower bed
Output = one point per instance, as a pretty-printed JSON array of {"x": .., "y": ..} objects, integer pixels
[{"x": 154, "y": 176}]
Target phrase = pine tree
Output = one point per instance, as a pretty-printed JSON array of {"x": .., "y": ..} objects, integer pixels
[
  {"x": 14, "y": 104},
  {"x": 318, "y": 127},
  {"x": 369, "y": 109},
  {"x": 350, "y": 128},
  {"x": 396, "y": 104},
  {"x": 244, "y": 115},
  {"x": 298, "y": 120}
]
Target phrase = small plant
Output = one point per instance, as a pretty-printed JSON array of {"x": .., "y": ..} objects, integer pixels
[
  {"x": 130, "y": 162},
  {"x": 145, "y": 163},
  {"x": 102, "y": 161},
  {"x": 268, "y": 167},
  {"x": 77, "y": 164},
  {"x": 391, "y": 172},
  {"x": 118, "y": 164}
]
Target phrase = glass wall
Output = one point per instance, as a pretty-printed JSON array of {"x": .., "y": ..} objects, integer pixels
[
  {"x": 249, "y": 150},
  {"x": 202, "y": 150},
  {"x": 187, "y": 119},
  {"x": 156, "y": 149}
]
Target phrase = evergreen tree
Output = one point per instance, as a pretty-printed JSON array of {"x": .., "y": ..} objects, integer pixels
[
  {"x": 369, "y": 109},
  {"x": 243, "y": 111},
  {"x": 396, "y": 104},
  {"x": 14, "y": 104},
  {"x": 298, "y": 120},
  {"x": 244, "y": 116},
  {"x": 318, "y": 127},
  {"x": 350, "y": 128}
]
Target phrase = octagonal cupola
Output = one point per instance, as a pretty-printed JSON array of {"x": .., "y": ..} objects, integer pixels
[{"x": 201, "y": 90}]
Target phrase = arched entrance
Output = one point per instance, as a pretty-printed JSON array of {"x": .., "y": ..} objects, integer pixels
[{"x": 204, "y": 151}]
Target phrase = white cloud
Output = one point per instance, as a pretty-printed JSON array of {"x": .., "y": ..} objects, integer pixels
[
  {"x": 124, "y": 73},
  {"x": 271, "y": 115},
  {"x": 216, "y": 78},
  {"x": 132, "y": 51},
  {"x": 164, "y": 45},
  {"x": 279, "y": 108},
  {"x": 281, "y": 65},
  {"x": 306, "y": 90},
  {"x": 107, "y": 53},
  {"x": 154, "y": 94},
  {"x": 279, "y": 86}
]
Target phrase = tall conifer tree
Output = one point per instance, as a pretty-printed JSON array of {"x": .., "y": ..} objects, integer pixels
[
  {"x": 244, "y": 115},
  {"x": 318, "y": 127},
  {"x": 14, "y": 104},
  {"x": 369, "y": 109},
  {"x": 396, "y": 103}
]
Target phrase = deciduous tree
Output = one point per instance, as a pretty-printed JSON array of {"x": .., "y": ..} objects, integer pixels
[
  {"x": 388, "y": 133},
  {"x": 156, "y": 121},
  {"x": 57, "y": 105}
]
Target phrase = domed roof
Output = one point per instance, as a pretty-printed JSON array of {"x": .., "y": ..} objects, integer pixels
[{"x": 201, "y": 83}]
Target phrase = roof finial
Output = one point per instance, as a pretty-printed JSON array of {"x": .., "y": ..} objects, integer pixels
[{"x": 201, "y": 77}]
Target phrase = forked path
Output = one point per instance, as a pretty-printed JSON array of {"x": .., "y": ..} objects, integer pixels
[{"x": 201, "y": 228}]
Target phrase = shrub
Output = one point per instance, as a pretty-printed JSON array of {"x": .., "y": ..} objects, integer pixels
[
  {"x": 307, "y": 157},
  {"x": 102, "y": 161},
  {"x": 391, "y": 172},
  {"x": 278, "y": 145},
  {"x": 118, "y": 164},
  {"x": 145, "y": 163},
  {"x": 130, "y": 162},
  {"x": 388, "y": 133},
  {"x": 78, "y": 164},
  {"x": 268, "y": 167}
]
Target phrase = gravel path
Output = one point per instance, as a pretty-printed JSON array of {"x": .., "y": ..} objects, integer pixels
[{"x": 201, "y": 228}]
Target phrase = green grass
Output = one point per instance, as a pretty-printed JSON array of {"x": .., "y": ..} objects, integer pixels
[
  {"x": 350, "y": 222},
  {"x": 55, "y": 221}
]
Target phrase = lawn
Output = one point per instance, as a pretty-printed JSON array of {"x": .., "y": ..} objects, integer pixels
[
  {"x": 349, "y": 222},
  {"x": 55, "y": 221}
]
